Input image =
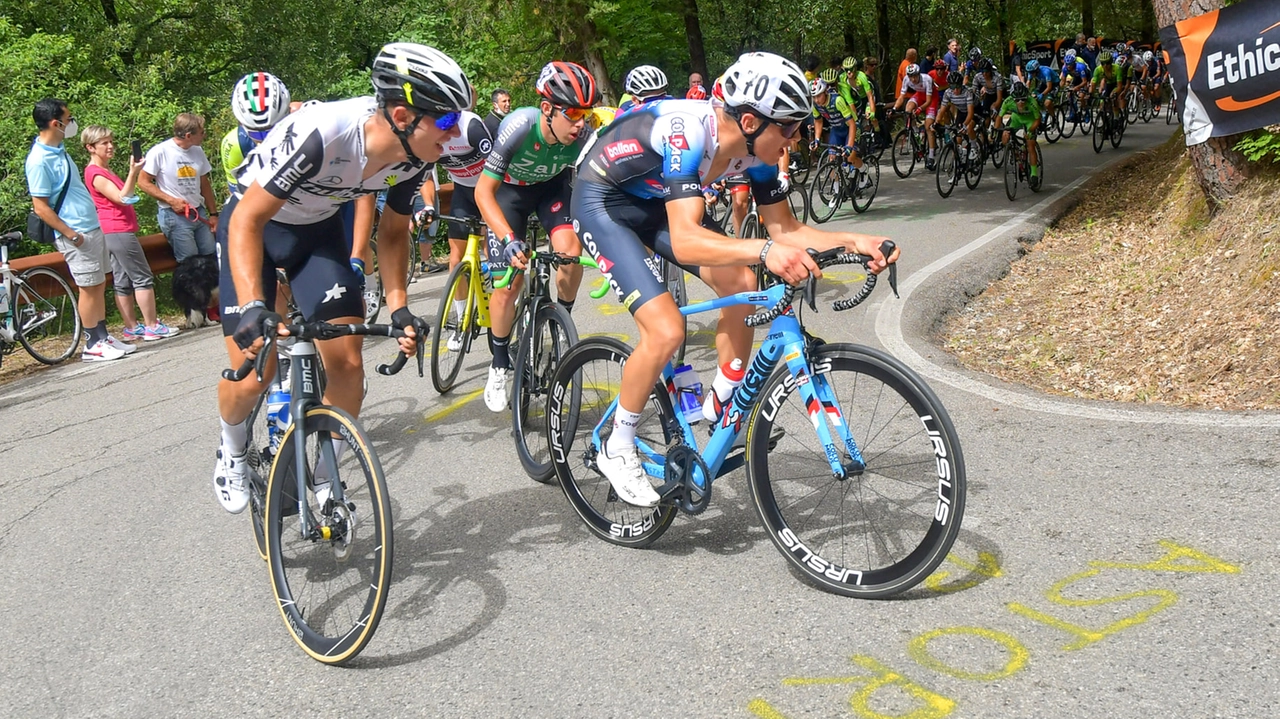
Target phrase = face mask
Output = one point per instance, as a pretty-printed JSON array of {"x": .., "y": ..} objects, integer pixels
[{"x": 71, "y": 129}]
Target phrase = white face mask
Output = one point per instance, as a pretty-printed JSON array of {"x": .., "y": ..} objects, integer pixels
[{"x": 71, "y": 129}]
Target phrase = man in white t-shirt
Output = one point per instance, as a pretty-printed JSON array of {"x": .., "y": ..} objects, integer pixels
[{"x": 176, "y": 173}]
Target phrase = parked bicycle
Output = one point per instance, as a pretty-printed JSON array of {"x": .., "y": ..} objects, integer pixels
[{"x": 37, "y": 310}]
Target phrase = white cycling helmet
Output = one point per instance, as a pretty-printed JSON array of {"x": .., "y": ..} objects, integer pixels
[
  {"x": 421, "y": 77},
  {"x": 1148, "y": 56},
  {"x": 259, "y": 100},
  {"x": 817, "y": 86},
  {"x": 769, "y": 85},
  {"x": 913, "y": 69},
  {"x": 1070, "y": 56},
  {"x": 645, "y": 80}
]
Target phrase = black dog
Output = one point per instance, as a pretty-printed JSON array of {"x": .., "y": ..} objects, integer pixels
[{"x": 195, "y": 287}]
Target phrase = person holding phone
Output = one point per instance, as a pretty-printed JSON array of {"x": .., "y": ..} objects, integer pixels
[{"x": 114, "y": 199}]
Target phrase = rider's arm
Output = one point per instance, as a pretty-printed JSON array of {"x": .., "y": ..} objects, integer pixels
[
  {"x": 785, "y": 229},
  {"x": 487, "y": 203},
  {"x": 362, "y": 229},
  {"x": 244, "y": 240},
  {"x": 428, "y": 190}
]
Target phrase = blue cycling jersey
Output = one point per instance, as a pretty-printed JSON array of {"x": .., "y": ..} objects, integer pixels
[
  {"x": 1076, "y": 70},
  {"x": 1042, "y": 75}
]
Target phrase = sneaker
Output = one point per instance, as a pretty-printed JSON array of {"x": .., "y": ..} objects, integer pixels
[
  {"x": 231, "y": 481},
  {"x": 135, "y": 333},
  {"x": 101, "y": 351},
  {"x": 454, "y": 343},
  {"x": 495, "y": 389},
  {"x": 159, "y": 331},
  {"x": 626, "y": 475},
  {"x": 125, "y": 348}
]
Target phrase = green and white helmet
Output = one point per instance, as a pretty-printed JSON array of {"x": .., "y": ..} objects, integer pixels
[{"x": 259, "y": 100}]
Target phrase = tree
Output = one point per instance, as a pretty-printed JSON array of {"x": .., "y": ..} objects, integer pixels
[{"x": 1219, "y": 168}]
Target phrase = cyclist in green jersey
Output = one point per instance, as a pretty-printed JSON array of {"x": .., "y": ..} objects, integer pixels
[
  {"x": 1021, "y": 112},
  {"x": 528, "y": 171},
  {"x": 1108, "y": 79}
]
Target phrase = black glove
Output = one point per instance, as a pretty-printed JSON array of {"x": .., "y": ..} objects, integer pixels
[
  {"x": 513, "y": 248},
  {"x": 403, "y": 318},
  {"x": 250, "y": 327}
]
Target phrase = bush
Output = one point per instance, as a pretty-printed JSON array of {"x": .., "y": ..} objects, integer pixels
[{"x": 1261, "y": 144}]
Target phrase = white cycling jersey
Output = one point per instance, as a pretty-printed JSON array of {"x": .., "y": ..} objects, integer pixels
[
  {"x": 463, "y": 157},
  {"x": 315, "y": 160},
  {"x": 925, "y": 85}
]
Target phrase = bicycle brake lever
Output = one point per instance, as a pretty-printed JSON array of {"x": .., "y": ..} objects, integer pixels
[
  {"x": 268, "y": 347},
  {"x": 811, "y": 293},
  {"x": 886, "y": 248}
]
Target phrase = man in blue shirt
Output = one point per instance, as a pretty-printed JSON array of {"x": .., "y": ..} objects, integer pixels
[
  {"x": 952, "y": 58},
  {"x": 53, "y": 180}
]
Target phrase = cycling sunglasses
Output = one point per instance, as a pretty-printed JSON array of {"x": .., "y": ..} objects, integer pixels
[
  {"x": 447, "y": 121},
  {"x": 574, "y": 114},
  {"x": 789, "y": 129}
]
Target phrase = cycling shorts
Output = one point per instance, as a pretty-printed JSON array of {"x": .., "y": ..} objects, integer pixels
[
  {"x": 932, "y": 110},
  {"x": 314, "y": 257},
  {"x": 838, "y": 136},
  {"x": 462, "y": 204},
  {"x": 622, "y": 232},
  {"x": 550, "y": 200}
]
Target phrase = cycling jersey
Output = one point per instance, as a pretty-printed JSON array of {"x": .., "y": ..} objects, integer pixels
[
  {"x": 235, "y": 146},
  {"x": 665, "y": 150},
  {"x": 522, "y": 156},
  {"x": 958, "y": 97},
  {"x": 1115, "y": 77},
  {"x": 632, "y": 103},
  {"x": 464, "y": 156},
  {"x": 835, "y": 113},
  {"x": 315, "y": 160},
  {"x": 1021, "y": 118},
  {"x": 988, "y": 89},
  {"x": 1075, "y": 72},
  {"x": 923, "y": 85},
  {"x": 1041, "y": 77}
]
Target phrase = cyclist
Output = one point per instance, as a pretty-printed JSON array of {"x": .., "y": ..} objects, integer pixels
[
  {"x": 861, "y": 98},
  {"x": 1107, "y": 80},
  {"x": 972, "y": 65},
  {"x": 639, "y": 192},
  {"x": 917, "y": 93},
  {"x": 988, "y": 87},
  {"x": 958, "y": 101},
  {"x": 1074, "y": 77},
  {"x": 1124, "y": 67},
  {"x": 285, "y": 214},
  {"x": 1155, "y": 78},
  {"x": 645, "y": 83},
  {"x": 837, "y": 116},
  {"x": 1042, "y": 81},
  {"x": 463, "y": 159},
  {"x": 259, "y": 100},
  {"x": 1021, "y": 111},
  {"x": 528, "y": 171}
]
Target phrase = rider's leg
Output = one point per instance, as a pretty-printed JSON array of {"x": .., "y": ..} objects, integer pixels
[
  {"x": 740, "y": 203},
  {"x": 568, "y": 277}
]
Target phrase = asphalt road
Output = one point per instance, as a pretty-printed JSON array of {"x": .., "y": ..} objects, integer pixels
[{"x": 1114, "y": 561}]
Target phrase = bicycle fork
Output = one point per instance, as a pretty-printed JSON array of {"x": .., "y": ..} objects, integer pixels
[
  {"x": 820, "y": 404},
  {"x": 305, "y": 393}
]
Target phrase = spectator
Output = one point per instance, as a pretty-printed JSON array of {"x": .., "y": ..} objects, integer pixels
[
  {"x": 53, "y": 180},
  {"x": 952, "y": 58},
  {"x": 114, "y": 199},
  {"x": 912, "y": 57},
  {"x": 697, "y": 91},
  {"x": 812, "y": 68},
  {"x": 1090, "y": 53},
  {"x": 501, "y": 106},
  {"x": 930, "y": 57},
  {"x": 176, "y": 173}
]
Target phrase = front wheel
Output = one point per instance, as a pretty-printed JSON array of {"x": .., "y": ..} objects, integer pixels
[
  {"x": 826, "y": 191},
  {"x": 1068, "y": 126},
  {"x": 541, "y": 348},
  {"x": 904, "y": 153},
  {"x": 45, "y": 316},
  {"x": 1010, "y": 171},
  {"x": 974, "y": 153},
  {"x": 579, "y": 421},
  {"x": 1099, "y": 133},
  {"x": 331, "y": 584},
  {"x": 948, "y": 171},
  {"x": 1052, "y": 130},
  {"x": 798, "y": 199},
  {"x": 890, "y": 519},
  {"x": 451, "y": 330},
  {"x": 866, "y": 184}
]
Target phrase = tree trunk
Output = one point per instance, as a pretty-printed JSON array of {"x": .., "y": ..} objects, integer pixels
[
  {"x": 693, "y": 32},
  {"x": 1086, "y": 17},
  {"x": 1150, "y": 33},
  {"x": 1002, "y": 29},
  {"x": 887, "y": 74},
  {"x": 594, "y": 60},
  {"x": 1220, "y": 170}
]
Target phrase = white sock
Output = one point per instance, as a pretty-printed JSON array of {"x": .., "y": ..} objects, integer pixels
[
  {"x": 623, "y": 437},
  {"x": 459, "y": 306},
  {"x": 235, "y": 437},
  {"x": 323, "y": 470}
]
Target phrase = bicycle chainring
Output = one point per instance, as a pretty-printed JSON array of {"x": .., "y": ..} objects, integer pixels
[{"x": 680, "y": 485}]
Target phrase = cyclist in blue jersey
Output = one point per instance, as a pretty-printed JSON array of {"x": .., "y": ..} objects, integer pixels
[
  {"x": 1074, "y": 77},
  {"x": 1042, "y": 81},
  {"x": 645, "y": 83},
  {"x": 639, "y": 191}
]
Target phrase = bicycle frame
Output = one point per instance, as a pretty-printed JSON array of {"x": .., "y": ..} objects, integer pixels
[
  {"x": 477, "y": 300},
  {"x": 304, "y": 393},
  {"x": 785, "y": 342}
]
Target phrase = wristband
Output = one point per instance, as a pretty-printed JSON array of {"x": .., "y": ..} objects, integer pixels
[
  {"x": 765, "y": 250},
  {"x": 508, "y": 238},
  {"x": 250, "y": 305},
  {"x": 357, "y": 264}
]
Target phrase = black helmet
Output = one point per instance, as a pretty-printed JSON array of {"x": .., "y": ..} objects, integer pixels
[
  {"x": 421, "y": 77},
  {"x": 1020, "y": 91},
  {"x": 975, "y": 53},
  {"x": 567, "y": 84},
  {"x": 955, "y": 77}
]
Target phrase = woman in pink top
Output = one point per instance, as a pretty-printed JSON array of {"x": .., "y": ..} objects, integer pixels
[{"x": 130, "y": 271}]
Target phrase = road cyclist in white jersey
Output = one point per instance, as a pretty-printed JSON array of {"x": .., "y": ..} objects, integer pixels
[
  {"x": 639, "y": 190},
  {"x": 285, "y": 215}
]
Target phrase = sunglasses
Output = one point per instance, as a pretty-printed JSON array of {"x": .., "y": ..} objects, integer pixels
[
  {"x": 574, "y": 114},
  {"x": 789, "y": 129},
  {"x": 447, "y": 121}
]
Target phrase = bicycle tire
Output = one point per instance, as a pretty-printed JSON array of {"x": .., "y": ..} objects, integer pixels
[
  {"x": 1068, "y": 126},
  {"x": 996, "y": 148},
  {"x": 1099, "y": 133},
  {"x": 535, "y": 366},
  {"x": 1117, "y": 134},
  {"x": 863, "y": 196},
  {"x": 584, "y": 387},
  {"x": 46, "y": 317},
  {"x": 914, "y": 470},
  {"x": 827, "y": 190},
  {"x": 799, "y": 166},
  {"x": 1052, "y": 131},
  {"x": 445, "y": 364},
  {"x": 338, "y": 624},
  {"x": 798, "y": 199},
  {"x": 973, "y": 167},
  {"x": 946, "y": 171},
  {"x": 1010, "y": 172},
  {"x": 904, "y": 153},
  {"x": 673, "y": 278},
  {"x": 1036, "y": 181},
  {"x": 259, "y": 457}
]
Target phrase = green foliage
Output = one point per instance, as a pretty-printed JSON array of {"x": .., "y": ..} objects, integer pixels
[{"x": 1261, "y": 145}]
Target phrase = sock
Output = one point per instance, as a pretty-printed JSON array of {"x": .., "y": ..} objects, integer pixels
[
  {"x": 501, "y": 349},
  {"x": 727, "y": 379},
  {"x": 459, "y": 306},
  {"x": 323, "y": 471},
  {"x": 235, "y": 437},
  {"x": 623, "y": 436},
  {"x": 98, "y": 332},
  {"x": 567, "y": 305},
  {"x": 1035, "y": 170}
]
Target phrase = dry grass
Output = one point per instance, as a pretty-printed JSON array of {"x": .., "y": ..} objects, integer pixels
[{"x": 1137, "y": 295}]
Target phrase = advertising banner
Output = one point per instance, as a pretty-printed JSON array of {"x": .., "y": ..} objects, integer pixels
[{"x": 1225, "y": 67}]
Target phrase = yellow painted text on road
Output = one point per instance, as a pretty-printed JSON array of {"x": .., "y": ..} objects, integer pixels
[{"x": 918, "y": 649}]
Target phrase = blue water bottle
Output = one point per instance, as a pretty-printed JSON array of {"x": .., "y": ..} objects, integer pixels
[
  {"x": 278, "y": 417},
  {"x": 487, "y": 275}
]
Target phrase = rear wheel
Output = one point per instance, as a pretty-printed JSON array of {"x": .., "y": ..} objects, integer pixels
[
  {"x": 948, "y": 170},
  {"x": 581, "y": 408},
  {"x": 45, "y": 316},
  {"x": 973, "y": 164},
  {"x": 551, "y": 336},
  {"x": 330, "y": 586},
  {"x": 1068, "y": 126},
  {"x": 996, "y": 148},
  {"x": 1052, "y": 130},
  {"x": 798, "y": 199},
  {"x": 889, "y": 521},
  {"x": 864, "y": 194},
  {"x": 445, "y": 362},
  {"x": 1099, "y": 133},
  {"x": 904, "y": 154},
  {"x": 1117, "y": 132},
  {"x": 1010, "y": 171}
]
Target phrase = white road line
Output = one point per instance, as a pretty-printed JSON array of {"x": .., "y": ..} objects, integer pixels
[{"x": 889, "y": 332}]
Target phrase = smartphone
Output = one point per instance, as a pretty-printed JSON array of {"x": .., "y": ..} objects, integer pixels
[{"x": 137, "y": 150}]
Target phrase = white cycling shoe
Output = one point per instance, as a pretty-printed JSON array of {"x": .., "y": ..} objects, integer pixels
[
  {"x": 626, "y": 475},
  {"x": 231, "y": 481},
  {"x": 495, "y": 389}
]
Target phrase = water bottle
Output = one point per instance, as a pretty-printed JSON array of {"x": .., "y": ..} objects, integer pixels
[
  {"x": 487, "y": 276},
  {"x": 689, "y": 393},
  {"x": 278, "y": 417},
  {"x": 4, "y": 298}
]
